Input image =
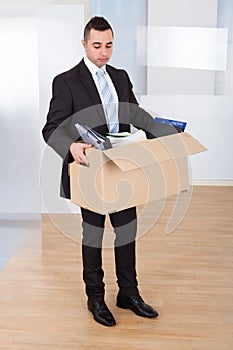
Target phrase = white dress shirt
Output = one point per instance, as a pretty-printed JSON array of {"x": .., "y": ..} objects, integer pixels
[{"x": 93, "y": 69}]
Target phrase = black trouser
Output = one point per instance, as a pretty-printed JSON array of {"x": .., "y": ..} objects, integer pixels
[{"x": 125, "y": 228}]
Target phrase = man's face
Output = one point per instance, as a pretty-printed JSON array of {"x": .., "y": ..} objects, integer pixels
[{"x": 99, "y": 46}]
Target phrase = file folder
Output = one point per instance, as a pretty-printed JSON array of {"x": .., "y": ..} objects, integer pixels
[
  {"x": 179, "y": 125},
  {"x": 92, "y": 137}
]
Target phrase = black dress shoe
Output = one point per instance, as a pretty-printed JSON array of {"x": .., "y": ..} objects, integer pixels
[
  {"x": 137, "y": 305},
  {"x": 101, "y": 313}
]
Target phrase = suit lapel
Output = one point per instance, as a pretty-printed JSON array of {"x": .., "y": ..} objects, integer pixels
[
  {"x": 91, "y": 89},
  {"x": 89, "y": 83}
]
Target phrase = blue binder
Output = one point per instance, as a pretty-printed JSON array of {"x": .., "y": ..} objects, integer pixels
[{"x": 176, "y": 123}]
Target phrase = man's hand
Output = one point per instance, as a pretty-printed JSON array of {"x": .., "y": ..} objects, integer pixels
[{"x": 77, "y": 150}]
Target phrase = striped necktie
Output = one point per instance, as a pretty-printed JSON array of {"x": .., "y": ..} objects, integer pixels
[{"x": 109, "y": 104}]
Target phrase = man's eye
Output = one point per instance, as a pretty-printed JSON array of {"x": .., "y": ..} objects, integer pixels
[
  {"x": 96, "y": 46},
  {"x": 108, "y": 46}
]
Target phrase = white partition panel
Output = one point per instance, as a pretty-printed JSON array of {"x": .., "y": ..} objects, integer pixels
[
  {"x": 176, "y": 79},
  {"x": 60, "y": 33},
  {"x": 36, "y": 44},
  {"x": 186, "y": 47},
  {"x": 20, "y": 208},
  {"x": 19, "y": 112}
]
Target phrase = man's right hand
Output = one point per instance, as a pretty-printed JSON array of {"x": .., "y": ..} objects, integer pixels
[{"x": 77, "y": 150}]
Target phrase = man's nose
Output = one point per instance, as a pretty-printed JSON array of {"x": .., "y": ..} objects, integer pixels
[{"x": 103, "y": 51}]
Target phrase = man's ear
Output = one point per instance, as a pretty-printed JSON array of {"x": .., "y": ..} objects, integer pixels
[{"x": 84, "y": 44}]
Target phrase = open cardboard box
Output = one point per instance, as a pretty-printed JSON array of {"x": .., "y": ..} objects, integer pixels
[{"x": 134, "y": 174}]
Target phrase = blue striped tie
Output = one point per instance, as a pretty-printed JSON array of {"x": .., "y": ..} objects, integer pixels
[{"x": 109, "y": 104}]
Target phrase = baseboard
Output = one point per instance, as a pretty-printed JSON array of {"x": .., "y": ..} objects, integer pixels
[{"x": 205, "y": 182}]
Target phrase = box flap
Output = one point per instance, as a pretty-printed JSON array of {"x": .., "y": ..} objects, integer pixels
[
  {"x": 130, "y": 157},
  {"x": 193, "y": 146},
  {"x": 148, "y": 152}
]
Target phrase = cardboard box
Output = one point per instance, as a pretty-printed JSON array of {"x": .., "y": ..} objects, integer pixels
[{"x": 134, "y": 174}]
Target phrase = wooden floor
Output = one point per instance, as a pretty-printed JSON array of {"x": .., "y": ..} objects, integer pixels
[{"x": 187, "y": 276}]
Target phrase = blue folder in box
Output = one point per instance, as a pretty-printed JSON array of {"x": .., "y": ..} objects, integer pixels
[{"x": 176, "y": 123}]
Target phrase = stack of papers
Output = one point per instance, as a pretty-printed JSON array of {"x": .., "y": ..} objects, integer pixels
[{"x": 124, "y": 138}]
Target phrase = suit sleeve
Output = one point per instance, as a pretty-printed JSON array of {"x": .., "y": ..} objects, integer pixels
[
  {"x": 57, "y": 132},
  {"x": 143, "y": 120}
]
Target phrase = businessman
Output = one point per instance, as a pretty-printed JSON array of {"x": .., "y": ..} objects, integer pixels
[{"x": 94, "y": 83}]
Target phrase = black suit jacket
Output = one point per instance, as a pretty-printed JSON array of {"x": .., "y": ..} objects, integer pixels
[{"x": 75, "y": 98}]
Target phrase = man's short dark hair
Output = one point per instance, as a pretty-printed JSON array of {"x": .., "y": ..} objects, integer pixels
[{"x": 97, "y": 23}]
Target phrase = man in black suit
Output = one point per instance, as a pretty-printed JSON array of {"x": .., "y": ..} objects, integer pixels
[{"x": 74, "y": 92}]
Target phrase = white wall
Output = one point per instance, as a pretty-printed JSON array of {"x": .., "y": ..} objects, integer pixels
[
  {"x": 181, "y": 13},
  {"x": 209, "y": 119},
  {"x": 189, "y": 94}
]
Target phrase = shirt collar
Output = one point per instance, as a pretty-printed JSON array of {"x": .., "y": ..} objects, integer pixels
[{"x": 92, "y": 67}]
